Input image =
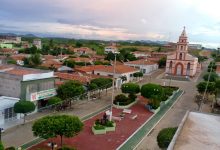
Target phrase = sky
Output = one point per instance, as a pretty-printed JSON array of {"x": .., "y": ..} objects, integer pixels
[{"x": 114, "y": 19}]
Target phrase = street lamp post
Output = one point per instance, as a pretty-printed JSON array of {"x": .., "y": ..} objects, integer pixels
[
  {"x": 113, "y": 87},
  {"x": 52, "y": 145}
]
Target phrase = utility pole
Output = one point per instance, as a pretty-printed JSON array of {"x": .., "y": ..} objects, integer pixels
[{"x": 202, "y": 101}]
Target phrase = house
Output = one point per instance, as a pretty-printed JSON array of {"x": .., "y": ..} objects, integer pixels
[
  {"x": 143, "y": 65},
  {"x": 27, "y": 84},
  {"x": 3, "y": 60},
  {"x": 52, "y": 64},
  {"x": 181, "y": 63},
  {"x": 10, "y": 39},
  {"x": 88, "y": 69},
  {"x": 25, "y": 44},
  {"x": 120, "y": 71},
  {"x": 112, "y": 49},
  {"x": 8, "y": 51},
  {"x": 37, "y": 43},
  {"x": 82, "y": 78},
  {"x": 138, "y": 54},
  {"x": 19, "y": 58},
  {"x": 7, "y": 110},
  {"x": 84, "y": 51}
]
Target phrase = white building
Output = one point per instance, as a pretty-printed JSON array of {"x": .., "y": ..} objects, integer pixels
[
  {"x": 138, "y": 54},
  {"x": 112, "y": 49},
  {"x": 144, "y": 66},
  {"x": 37, "y": 43},
  {"x": 120, "y": 71},
  {"x": 7, "y": 110}
]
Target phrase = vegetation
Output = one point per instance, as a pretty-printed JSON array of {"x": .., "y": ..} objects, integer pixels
[
  {"x": 138, "y": 74},
  {"x": 202, "y": 86},
  {"x": 24, "y": 107},
  {"x": 70, "y": 89},
  {"x": 69, "y": 63},
  {"x": 54, "y": 101},
  {"x": 33, "y": 61},
  {"x": 1, "y": 146},
  {"x": 165, "y": 136},
  {"x": 130, "y": 88},
  {"x": 162, "y": 62},
  {"x": 150, "y": 90},
  {"x": 213, "y": 77},
  {"x": 10, "y": 148},
  {"x": 102, "y": 83},
  {"x": 60, "y": 125}
]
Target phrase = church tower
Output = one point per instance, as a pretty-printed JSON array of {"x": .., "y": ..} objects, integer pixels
[
  {"x": 181, "y": 63},
  {"x": 182, "y": 46}
]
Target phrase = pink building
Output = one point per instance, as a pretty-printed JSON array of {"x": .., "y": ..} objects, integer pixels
[{"x": 181, "y": 63}]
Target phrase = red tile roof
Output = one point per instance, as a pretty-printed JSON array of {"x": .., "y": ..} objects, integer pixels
[
  {"x": 81, "y": 59},
  {"x": 86, "y": 69},
  {"x": 51, "y": 63},
  {"x": 141, "y": 62},
  {"x": 49, "y": 57},
  {"x": 21, "y": 72},
  {"x": 119, "y": 69}
]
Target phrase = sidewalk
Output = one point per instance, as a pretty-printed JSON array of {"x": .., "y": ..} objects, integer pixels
[{"x": 20, "y": 134}]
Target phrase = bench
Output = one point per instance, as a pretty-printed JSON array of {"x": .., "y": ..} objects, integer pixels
[
  {"x": 134, "y": 117},
  {"x": 116, "y": 118},
  {"x": 128, "y": 111}
]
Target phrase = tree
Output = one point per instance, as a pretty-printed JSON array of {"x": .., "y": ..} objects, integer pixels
[
  {"x": 123, "y": 78},
  {"x": 69, "y": 63},
  {"x": 33, "y": 61},
  {"x": 131, "y": 88},
  {"x": 162, "y": 62},
  {"x": 24, "y": 107},
  {"x": 92, "y": 86},
  {"x": 213, "y": 77},
  {"x": 202, "y": 86},
  {"x": 165, "y": 136},
  {"x": 149, "y": 90},
  {"x": 78, "y": 44},
  {"x": 59, "y": 125},
  {"x": 70, "y": 89},
  {"x": 102, "y": 83},
  {"x": 138, "y": 74},
  {"x": 54, "y": 101}
]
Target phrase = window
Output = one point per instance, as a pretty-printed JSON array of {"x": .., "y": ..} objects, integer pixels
[
  {"x": 181, "y": 55},
  {"x": 181, "y": 47}
]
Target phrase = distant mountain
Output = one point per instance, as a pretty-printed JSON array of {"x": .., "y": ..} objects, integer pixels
[
  {"x": 21, "y": 35},
  {"x": 28, "y": 35}
]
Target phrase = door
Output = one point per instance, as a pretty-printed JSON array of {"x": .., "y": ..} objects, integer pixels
[{"x": 179, "y": 70}]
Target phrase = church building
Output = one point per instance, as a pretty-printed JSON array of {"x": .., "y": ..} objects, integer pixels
[{"x": 181, "y": 63}]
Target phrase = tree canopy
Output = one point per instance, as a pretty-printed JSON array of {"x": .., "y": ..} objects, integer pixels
[
  {"x": 24, "y": 107},
  {"x": 150, "y": 90},
  {"x": 59, "y": 125},
  {"x": 70, "y": 89},
  {"x": 102, "y": 83},
  {"x": 54, "y": 100},
  {"x": 165, "y": 136},
  {"x": 213, "y": 77},
  {"x": 131, "y": 88},
  {"x": 202, "y": 85},
  {"x": 69, "y": 63}
]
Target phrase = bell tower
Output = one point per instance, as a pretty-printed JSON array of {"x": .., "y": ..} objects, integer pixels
[{"x": 182, "y": 46}]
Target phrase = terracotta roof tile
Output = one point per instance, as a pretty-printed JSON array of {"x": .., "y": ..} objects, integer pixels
[
  {"x": 86, "y": 69},
  {"x": 141, "y": 62},
  {"x": 119, "y": 69}
]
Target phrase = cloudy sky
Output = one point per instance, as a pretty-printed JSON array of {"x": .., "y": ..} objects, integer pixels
[{"x": 114, "y": 19}]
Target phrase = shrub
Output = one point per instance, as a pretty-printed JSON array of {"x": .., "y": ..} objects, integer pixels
[
  {"x": 132, "y": 97},
  {"x": 109, "y": 124},
  {"x": 149, "y": 90},
  {"x": 155, "y": 102},
  {"x": 99, "y": 127},
  {"x": 54, "y": 100},
  {"x": 67, "y": 148},
  {"x": 165, "y": 136},
  {"x": 131, "y": 88},
  {"x": 121, "y": 99},
  {"x": 10, "y": 148}
]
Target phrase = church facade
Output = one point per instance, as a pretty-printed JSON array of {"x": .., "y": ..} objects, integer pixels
[{"x": 181, "y": 63}]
